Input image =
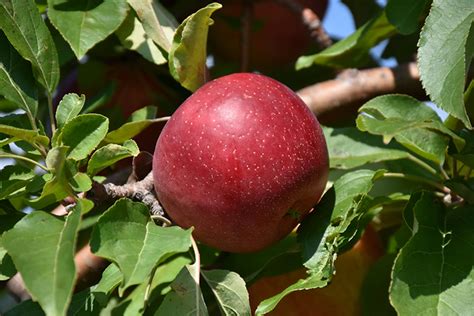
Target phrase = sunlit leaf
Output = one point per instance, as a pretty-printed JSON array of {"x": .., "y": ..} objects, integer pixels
[
  {"x": 85, "y": 23},
  {"x": 187, "y": 58},
  {"x": 442, "y": 55},
  {"x": 27, "y": 32}
]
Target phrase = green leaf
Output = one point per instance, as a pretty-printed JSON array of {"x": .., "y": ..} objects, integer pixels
[
  {"x": 83, "y": 134},
  {"x": 132, "y": 35},
  {"x": 54, "y": 190},
  {"x": 32, "y": 137},
  {"x": 349, "y": 148},
  {"x": 412, "y": 123},
  {"x": 69, "y": 107},
  {"x": 230, "y": 291},
  {"x": 7, "y": 268},
  {"x": 187, "y": 58},
  {"x": 42, "y": 247},
  {"x": 353, "y": 51},
  {"x": 125, "y": 235},
  {"x": 466, "y": 155},
  {"x": 157, "y": 22},
  {"x": 139, "y": 121},
  {"x": 362, "y": 10},
  {"x": 111, "y": 279},
  {"x": 442, "y": 54},
  {"x": 110, "y": 154},
  {"x": 83, "y": 24},
  {"x": 17, "y": 83},
  {"x": 159, "y": 286},
  {"x": 27, "y": 32},
  {"x": 330, "y": 227},
  {"x": 56, "y": 187},
  {"x": 13, "y": 180},
  {"x": 434, "y": 270},
  {"x": 185, "y": 297},
  {"x": 81, "y": 182},
  {"x": 406, "y": 14}
]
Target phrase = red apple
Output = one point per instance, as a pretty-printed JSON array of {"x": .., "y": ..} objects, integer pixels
[
  {"x": 243, "y": 160},
  {"x": 278, "y": 35},
  {"x": 340, "y": 298}
]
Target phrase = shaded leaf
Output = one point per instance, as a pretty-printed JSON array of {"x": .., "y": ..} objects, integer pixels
[
  {"x": 127, "y": 225},
  {"x": 7, "y": 268},
  {"x": 353, "y": 51},
  {"x": 110, "y": 154},
  {"x": 187, "y": 57},
  {"x": 157, "y": 22},
  {"x": 27, "y": 32},
  {"x": 323, "y": 232},
  {"x": 85, "y": 23},
  {"x": 442, "y": 54},
  {"x": 230, "y": 291},
  {"x": 16, "y": 79},
  {"x": 132, "y": 36},
  {"x": 50, "y": 240},
  {"x": 349, "y": 148},
  {"x": 406, "y": 14},
  {"x": 159, "y": 286},
  {"x": 434, "y": 270},
  {"x": 362, "y": 10},
  {"x": 83, "y": 134},
  {"x": 69, "y": 107},
  {"x": 13, "y": 180},
  {"x": 28, "y": 135},
  {"x": 185, "y": 297},
  {"x": 111, "y": 279}
]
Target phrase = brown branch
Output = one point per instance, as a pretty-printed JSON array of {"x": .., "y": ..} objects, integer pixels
[
  {"x": 311, "y": 20},
  {"x": 340, "y": 97},
  {"x": 141, "y": 191}
]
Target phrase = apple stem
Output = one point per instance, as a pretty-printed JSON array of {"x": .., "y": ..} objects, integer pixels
[
  {"x": 246, "y": 22},
  {"x": 311, "y": 20}
]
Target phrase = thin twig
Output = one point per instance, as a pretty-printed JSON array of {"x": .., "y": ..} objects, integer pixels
[
  {"x": 51, "y": 113},
  {"x": 246, "y": 23},
  {"x": 418, "y": 179},
  {"x": 422, "y": 164},
  {"x": 18, "y": 157},
  {"x": 311, "y": 20}
]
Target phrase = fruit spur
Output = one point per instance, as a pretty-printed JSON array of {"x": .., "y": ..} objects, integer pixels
[{"x": 242, "y": 160}]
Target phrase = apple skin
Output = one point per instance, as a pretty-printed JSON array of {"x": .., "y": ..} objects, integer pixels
[
  {"x": 278, "y": 36},
  {"x": 243, "y": 160},
  {"x": 340, "y": 298}
]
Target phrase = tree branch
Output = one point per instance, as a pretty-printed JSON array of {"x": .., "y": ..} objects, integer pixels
[
  {"x": 333, "y": 99},
  {"x": 141, "y": 191},
  {"x": 311, "y": 20}
]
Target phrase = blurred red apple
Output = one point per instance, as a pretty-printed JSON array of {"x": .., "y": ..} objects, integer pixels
[
  {"x": 243, "y": 160},
  {"x": 340, "y": 298},
  {"x": 278, "y": 35},
  {"x": 136, "y": 85}
]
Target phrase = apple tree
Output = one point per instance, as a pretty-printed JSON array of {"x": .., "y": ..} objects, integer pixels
[{"x": 94, "y": 221}]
